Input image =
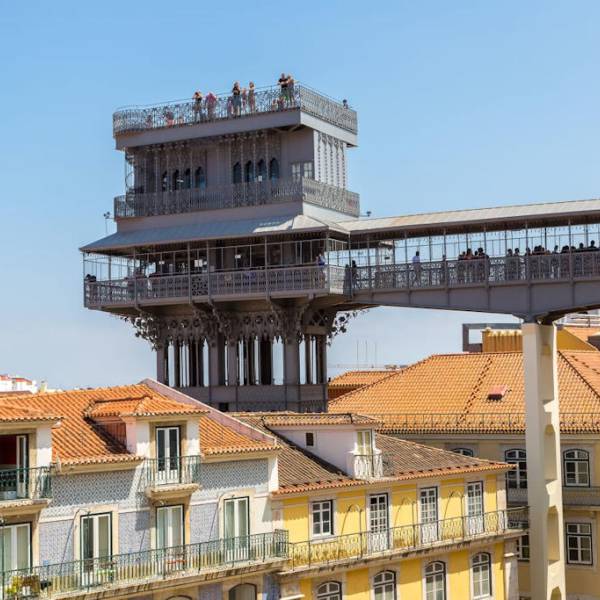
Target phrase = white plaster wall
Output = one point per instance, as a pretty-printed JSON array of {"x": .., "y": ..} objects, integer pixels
[{"x": 43, "y": 445}]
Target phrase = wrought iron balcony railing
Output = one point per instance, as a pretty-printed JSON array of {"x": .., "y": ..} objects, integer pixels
[
  {"x": 406, "y": 538},
  {"x": 571, "y": 495},
  {"x": 178, "y": 470},
  {"x": 21, "y": 484},
  {"x": 140, "y": 290},
  {"x": 236, "y": 195},
  {"x": 224, "y": 106},
  {"x": 121, "y": 570}
]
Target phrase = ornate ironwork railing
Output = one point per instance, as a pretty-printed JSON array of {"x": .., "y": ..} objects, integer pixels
[
  {"x": 478, "y": 272},
  {"x": 237, "y": 195},
  {"x": 19, "y": 484},
  {"x": 226, "y": 106},
  {"x": 120, "y": 570},
  {"x": 572, "y": 496},
  {"x": 406, "y": 538},
  {"x": 479, "y": 422},
  {"x": 132, "y": 290},
  {"x": 171, "y": 471}
]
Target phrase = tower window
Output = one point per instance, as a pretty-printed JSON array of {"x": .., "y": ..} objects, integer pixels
[
  {"x": 187, "y": 179},
  {"x": 237, "y": 173},
  {"x": 200, "y": 179},
  {"x": 249, "y": 172},
  {"x": 261, "y": 170},
  {"x": 176, "y": 180},
  {"x": 273, "y": 169},
  {"x": 310, "y": 439}
]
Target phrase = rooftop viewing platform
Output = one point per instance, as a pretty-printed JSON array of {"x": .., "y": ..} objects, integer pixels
[{"x": 212, "y": 108}]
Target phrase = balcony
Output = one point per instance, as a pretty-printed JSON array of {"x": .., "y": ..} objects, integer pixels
[
  {"x": 19, "y": 485},
  {"x": 207, "y": 560},
  {"x": 168, "y": 478},
  {"x": 370, "y": 466},
  {"x": 267, "y": 100},
  {"x": 405, "y": 540},
  {"x": 572, "y": 496},
  {"x": 235, "y": 195},
  {"x": 160, "y": 289}
]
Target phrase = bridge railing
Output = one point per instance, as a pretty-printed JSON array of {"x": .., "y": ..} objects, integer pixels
[{"x": 478, "y": 271}]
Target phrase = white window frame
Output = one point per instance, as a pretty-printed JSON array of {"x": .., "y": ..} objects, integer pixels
[
  {"x": 14, "y": 538},
  {"x": 579, "y": 535},
  {"x": 520, "y": 547},
  {"x": 364, "y": 442},
  {"x": 488, "y": 568},
  {"x": 332, "y": 590},
  {"x": 318, "y": 506},
  {"x": 464, "y": 451},
  {"x": 170, "y": 510},
  {"x": 577, "y": 460},
  {"x": 432, "y": 594},
  {"x": 387, "y": 578},
  {"x": 516, "y": 475}
]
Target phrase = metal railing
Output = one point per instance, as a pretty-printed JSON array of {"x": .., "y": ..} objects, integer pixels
[
  {"x": 479, "y": 271},
  {"x": 18, "y": 484},
  {"x": 171, "y": 471},
  {"x": 132, "y": 290},
  {"x": 479, "y": 422},
  {"x": 571, "y": 495},
  {"x": 405, "y": 538},
  {"x": 369, "y": 466},
  {"x": 226, "y": 106},
  {"x": 235, "y": 195},
  {"x": 127, "y": 569}
]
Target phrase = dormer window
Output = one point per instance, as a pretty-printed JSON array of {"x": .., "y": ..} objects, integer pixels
[
  {"x": 365, "y": 442},
  {"x": 310, "y": 439}
]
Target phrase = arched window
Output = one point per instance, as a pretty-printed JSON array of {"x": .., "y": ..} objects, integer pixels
[
  {"x": 261, "y": 170},
  {"x": 517, "y": 478},
  {"x": 576, "y": 465},
  {"x": 200, "y": 179},
  {"x": 243, "y": 591},
  {"x": 187, "y": 179},
  {"x": 249, "y": 172},
  {"x": 332, "y": 590},
  {"x": 481, "y": 576},
  {"x": 435, "y": 581},
  {"x": 237, "y": 173},
  {"x": 164, "y": 182},
  {"x": 176, "y": 180},
  {"x": 384, "y": 585},
  {"x": 273, "y": 169},
  {"x": 463, "y": 451}
]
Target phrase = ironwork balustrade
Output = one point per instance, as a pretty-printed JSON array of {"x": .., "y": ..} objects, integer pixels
[
  {"x": 31, "y": 483},
  {"x": 370, "y": 466},
  {"x": 405, "y": 538},
  {"x": 48, "y": 581},
  {"x": 171, "y": 471},
  {"x": 234, "y": 195},
  {"x": 132, "y": 290},
  {"x": 225, "y": 106}
]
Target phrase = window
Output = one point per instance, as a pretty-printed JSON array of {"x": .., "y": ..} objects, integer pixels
[
  {"x": 428, "y": 505},
  {"x": 523, "y": 548},
  {"x": 224, "y": 406},
  {"x": 435, "y": 581},
  {"x": 167, "y": 455},
  {"x": 322, "y": 518},
  {"x": 176, "y": 181},
  {"x": 237, "y": 173},
  {"x": 169, "y": 527},
  {"x": 164, "y": 182},
  {"x": 302, "y": 170},
  {"x": 332, "y": 590},
  {"x": 15, "y": 546},
  {"x": 475, "y": 517},
  {"x": 200, "y": 179},
  {"x": 517, "y": 478},
  {"x": 261, "y": 170},
  {"x": 187, "y": 179},
  {"x": 384, "y": 585},
  {"x": 463, "y": 451},
  {"x": 310, "y": 439},
  {"x": 481, "y": 573},
  {"x": 365, "y": 442},
  {"x": 96, "y": 539},
  {"x": 579, "y": 543},
  {"x": 273, "y": 170},
  {"x": 378, "y": 522},
  {"x": 577, "y": 468},
  {"x": 237, "y": 528},
  {"x": 249, "y": 172},
  {"x": 243, "y": 591}
]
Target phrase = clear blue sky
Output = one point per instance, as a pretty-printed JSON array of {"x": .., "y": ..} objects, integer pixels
[{"x": 461, "y": 104}]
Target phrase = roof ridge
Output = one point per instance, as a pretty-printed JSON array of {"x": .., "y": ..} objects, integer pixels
[{"x": 475, "y": 391}]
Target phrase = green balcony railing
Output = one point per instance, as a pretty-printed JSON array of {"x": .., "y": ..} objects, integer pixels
[
  {"x": 21, "y": 484},
  {"x": 171, "y": 471},
  {"x": 120, "y": 570},
  {"x": 405, "y": 538}
]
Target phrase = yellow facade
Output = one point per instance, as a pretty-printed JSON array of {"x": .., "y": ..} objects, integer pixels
[{"x": 351, "y": 523}]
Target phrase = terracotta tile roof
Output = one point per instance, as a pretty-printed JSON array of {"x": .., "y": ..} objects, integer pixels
[
  {"x": 582, "y": 333},
  {"x": 11, "y": 411},
  {"x": 14, "y": 393},
  {"x": 289, "y": 419},
  {"x": 451, "y": 392},
  {"x": 143, "y": 405},
  {"x": 217, "y": 439},
  {"x": 301, "y": 471},
  {"x": 353, "y": 380}
]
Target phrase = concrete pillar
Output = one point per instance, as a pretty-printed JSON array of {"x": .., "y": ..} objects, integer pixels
[
  {"x": 266, "y": 362},
  {"x": 321, "y": 355},
  {"x": 291, "y": 361},
  {"x": 511, "y": 571},
  {"x": 216, "y": 355},
  {"x": 233, "y": 367},
  {"x": 546, "y": 535},
  {"x": 162, "y": 364}
]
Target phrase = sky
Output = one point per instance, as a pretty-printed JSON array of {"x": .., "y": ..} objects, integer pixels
[{"x": 461, "y": 104}]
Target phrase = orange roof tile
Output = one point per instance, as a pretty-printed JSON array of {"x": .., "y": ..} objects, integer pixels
[
  {"x": 289, "y": 419},
  {"x": 217, "y": 439},
  {"x": 360, "y": 378},
  {"x": 11, "y": 411},
  {"x": 450, "y": 392},
  {"x": 143, "y": 405}
]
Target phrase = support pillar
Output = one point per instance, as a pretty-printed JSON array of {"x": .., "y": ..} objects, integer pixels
[
  {"x": 251, "y": 361},
  {"x": 192, "y": 363},
  {"x": 291, "y": 361},
  {"x": 177, "y": 363},
  {"x": 200, "y": 362},
  {"x": 216, "y": 355},
  {"x": 266, "y": 362},
  {"x": 233, "y": 366},
  {"x": 321, "y": 356},
  {"x": 546, "y": 530},
  {"x": 162, "y": 364},
  {"x": 308, "y": 361}
]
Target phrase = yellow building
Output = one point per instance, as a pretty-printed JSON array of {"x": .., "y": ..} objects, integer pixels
[
  {"x": 473, "y": 404},
  {"x": 372, "y": 516}
]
